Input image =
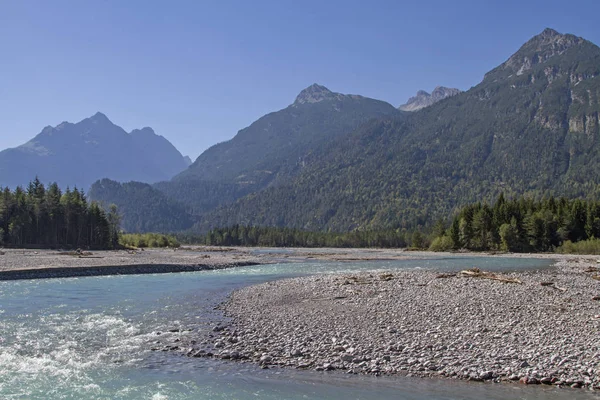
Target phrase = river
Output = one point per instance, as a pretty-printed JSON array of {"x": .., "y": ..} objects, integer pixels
[{"x": 91, "y": 338}]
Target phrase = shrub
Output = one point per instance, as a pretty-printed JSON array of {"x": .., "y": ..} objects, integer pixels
[{"x": 442, "y": 243}]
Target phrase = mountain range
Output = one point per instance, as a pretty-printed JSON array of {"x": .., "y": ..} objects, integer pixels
[
  {"x": 338, "y": 162},
  {"x": 529, "y": 128},
  {"x": 94, "y": 148}
]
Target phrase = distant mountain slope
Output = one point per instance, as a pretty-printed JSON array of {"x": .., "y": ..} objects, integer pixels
[
  {"x": 276, "y": 144},
  {"x": 530, "y": 127},
  {"x": 79, "y": 154},
  {"x": 273, "y": 149},
  {"x": 424, "y": 99},
  {"x": 143, "y": 208}
]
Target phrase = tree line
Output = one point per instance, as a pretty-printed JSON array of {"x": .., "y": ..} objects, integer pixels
[
  {"x": 240, "y": 235},
  {"x": 520, "y": 225},
  {"x": 48, "y": 217}
]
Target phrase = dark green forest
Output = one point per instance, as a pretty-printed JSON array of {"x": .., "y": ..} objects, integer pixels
[
  {"x": 285, "y": 237},
  {"x": 528, "y": 129},
  {"x": 46, "y": 217},
  {"x": 532, "y": 134},
  {"x": 521, "y": 225},
  {"x": 144, "y": 208}
]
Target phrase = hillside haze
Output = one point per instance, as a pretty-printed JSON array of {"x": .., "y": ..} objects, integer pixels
[{"x": 94, "y": 148}]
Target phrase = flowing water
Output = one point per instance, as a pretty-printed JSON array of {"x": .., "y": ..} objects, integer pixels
[{"x": 91, "y": 338}]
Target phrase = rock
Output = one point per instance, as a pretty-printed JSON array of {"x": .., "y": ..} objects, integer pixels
[
  {"x": 265, "y": 359},
  {"x": 296, "y": 353},
  {"x": 524, "y": 364},
  {"x": 486, "y": 375}
]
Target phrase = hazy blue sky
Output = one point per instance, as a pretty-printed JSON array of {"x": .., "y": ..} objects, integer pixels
[{"x": 198, "y": 71}]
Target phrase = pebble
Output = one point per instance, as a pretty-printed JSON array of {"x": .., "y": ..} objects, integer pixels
[{"x": 411, "y": 323}]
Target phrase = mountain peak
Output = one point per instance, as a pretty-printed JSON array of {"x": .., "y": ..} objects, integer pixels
[
  {"x": 548, "y": 33},
  {"x": 99, "y": 117},
  {"x": 423, "y": 99},
  {"x": 144, "y": 131},
  {"x": 539, "y": 49},
  {"x": 314, "y": 94}
]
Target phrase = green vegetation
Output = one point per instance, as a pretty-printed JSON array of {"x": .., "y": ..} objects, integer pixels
[
  {"x": 148, "y": 240},
  {"x": 47, "y": 217},
  {"x": 284, "y": 237},
  {"x": 269, "y": 152},
  {"x": 590, "y": 246},
  {"x": 350, "y": 164},
  {"x": 144, "y": 208},
  {"x": 525, "y": 225},
  {"x": 517, "y": 134}
]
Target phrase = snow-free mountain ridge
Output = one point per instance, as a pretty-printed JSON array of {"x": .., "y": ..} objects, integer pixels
[{"x": 77, "y": 154}]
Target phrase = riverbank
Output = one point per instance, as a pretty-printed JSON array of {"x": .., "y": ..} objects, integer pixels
[
  {"x": 541, "y": 328},
  {"x": 39, "y": 264}
]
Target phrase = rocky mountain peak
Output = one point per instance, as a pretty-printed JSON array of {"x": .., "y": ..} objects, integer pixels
[
  {"x": 314, "y": 94},
  {"x": 147, "y": 131},
  {"x": 539, "y": 49},
  {"x": 424, "y": 99},
  {"x": 99, "y": 118}
]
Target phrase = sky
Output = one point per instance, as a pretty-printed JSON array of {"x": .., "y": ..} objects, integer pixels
[{"x": 198, "y": 71}]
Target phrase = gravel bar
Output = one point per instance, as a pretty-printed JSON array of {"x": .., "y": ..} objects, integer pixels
[
  {"x": 40, "y": 264},
  {"x": 543, "y": 330}
]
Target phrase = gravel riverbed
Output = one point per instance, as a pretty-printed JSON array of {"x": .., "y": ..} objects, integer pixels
[
  {"x": 39, "y": 264},
  {"x": 544, "y": 330}
]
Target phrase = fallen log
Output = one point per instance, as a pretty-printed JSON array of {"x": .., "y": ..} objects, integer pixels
[
  {"x": 553, "y": 286},
  {"x": 477, "y": 273}
]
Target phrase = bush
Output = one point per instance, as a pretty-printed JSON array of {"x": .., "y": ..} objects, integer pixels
[
  {"x": 148, "y": 240},
  {"x": 442, "y": 243},
  {"x": 590, "y": 246}
]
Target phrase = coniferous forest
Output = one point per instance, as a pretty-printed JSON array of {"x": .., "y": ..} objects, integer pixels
[
  {"x": 522, "y": 225},
  {"x": 251, "y": 236},
  {"x": 47, "y": 217}
]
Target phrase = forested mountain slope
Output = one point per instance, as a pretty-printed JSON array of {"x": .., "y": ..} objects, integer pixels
[
  {"x": 142, "y": 208},
  {"x": 269, "y": 152},
  {"x": 530, "y": 127}
]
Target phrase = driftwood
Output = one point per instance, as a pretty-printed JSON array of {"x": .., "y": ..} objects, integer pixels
[
  {"x": 596, "y": 277},
  {"x": 553, "y": 286},
  {"x": 445, "y": 275},
  {"x": 386, "y": 277},
  {"x": 76, "y": 253},
  {"x": 592, "y": 269},
  {"x": 477, "y": 273}
]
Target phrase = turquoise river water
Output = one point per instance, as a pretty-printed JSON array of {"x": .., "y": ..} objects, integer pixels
[{"x": 90, "y": 338}]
